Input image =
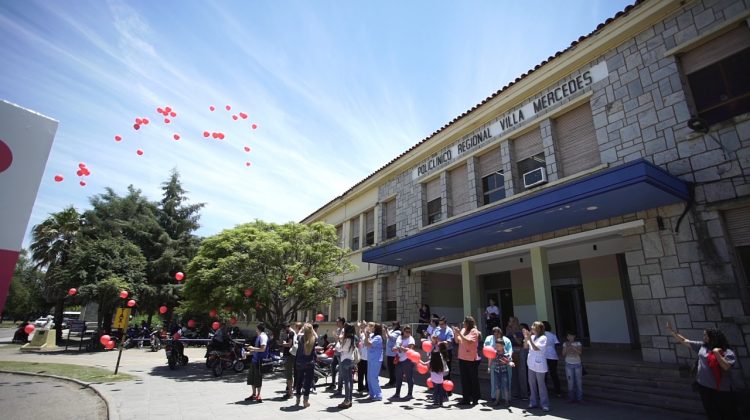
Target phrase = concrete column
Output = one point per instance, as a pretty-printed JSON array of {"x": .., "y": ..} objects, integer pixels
[
  {"x": 542, "y": 288},
  {"x": 507, "y": 165},
  {"x": 361, "y": 230},
  {"x": 377, "y": 299},
  {"x": 361, "y": 300},
  {"x": 346, "y": 305},
  {"x": 474, "y": 182},
  {"x": 470, "y": 290},
  {"x": 377, "y": 213},
  {"x": 444, "y": 210}
]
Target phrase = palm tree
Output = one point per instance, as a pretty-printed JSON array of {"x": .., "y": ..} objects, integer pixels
[{"x": 52, "y": 241}]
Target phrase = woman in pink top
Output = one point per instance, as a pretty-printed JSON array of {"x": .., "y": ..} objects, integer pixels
[{"x": 468, "y": 365}]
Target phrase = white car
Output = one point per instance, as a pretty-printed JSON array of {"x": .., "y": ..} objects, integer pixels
[{"x": 41, "y": 322}]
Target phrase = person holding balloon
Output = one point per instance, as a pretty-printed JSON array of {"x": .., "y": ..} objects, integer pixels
[
  {"x": 438, "y": 371},
  {"x": 404, "y": 348},
  {"x": 490, "y": 341},
  {"x": 536, "y": 342},
  {"x": 500, "y": 368}
]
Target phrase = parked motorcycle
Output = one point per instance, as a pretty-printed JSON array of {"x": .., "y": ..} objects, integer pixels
[
  {"x": 219, "y": 359},
  {"x": 175, "y": 351},
  {"x": 156, "y": 337}
]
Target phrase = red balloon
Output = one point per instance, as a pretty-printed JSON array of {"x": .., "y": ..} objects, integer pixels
[
  {"x": 191, "y": 323},
  {"x": 163, "y": 310},
  {"x": 212, "y": 313},
  {"x": 234, "y": 117},
  {"x": 179, "y": 276},
  {"x": 124, "y": 294},
  {"x": 139, "y": 152},
  {"x": 248, "y": 163},
  {"x": 72, "y": 291},
  {"x": 489, "y": 352},
  {"x": 81, "y": 165},
  {"x": 110, "y": 345},
  {"x": 215, "y": 135},
  {"x": 176, "y": 136},
  {"x": 215, "y": 325},
  {"x": 422, "y": 368},
  {"x": 320, "y": 317},
  {"x": 167, "y": 109},
  {"x": 104, "y": 339},
  {"x": 289, "y": 279},
  {"x": 118, "y": 137},
  {"x": 429, "y": 383},
  {"x": 212, "y": 108},
  {"x": 247, "y": 148},
  {"x": 448, "y": 386},
  {"x": 228, "y": 107},
  {"x": 159, "y": 110},
  {"x": 131, "y": 303},
  {"x": 248, "y": 292},
  {"x": 79, "y": 172},
  {"x": 173, "y": 114},
  {"x": 58, "y": 178},
  {"x": 206, "y": 134},
  {"x": 243, "y": 115},
  {"x": 426, "y": 346},
  {"x": 137, "y": 126},
  {"x": 221, "y": 136},
  {"x": 138, "y": 121},
  {"x": 413, "y": 356},
  {"x": 28, "y": 329},
  {"x": 166, "y": 121},
  {"x": 145, "y": 121},
  {"x": 254, "y": 126},
  {"x": 233, "y": 320}
]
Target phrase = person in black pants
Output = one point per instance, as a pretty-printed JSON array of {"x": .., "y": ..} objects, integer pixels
[
  {"x": 468, "y": 338},
  {"x": 340, "y": 321},
  {"x": 393, "y": 334},
  {"x": 550, "y": 353},
  {"x": 362, "y": 365}
]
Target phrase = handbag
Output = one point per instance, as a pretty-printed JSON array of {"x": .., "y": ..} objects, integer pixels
[{"x": 356, "y": 356}]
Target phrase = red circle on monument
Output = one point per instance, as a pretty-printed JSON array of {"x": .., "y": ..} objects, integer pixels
[{"x": 6, "y": 157}]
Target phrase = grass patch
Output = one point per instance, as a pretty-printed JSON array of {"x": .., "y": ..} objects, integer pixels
[{"x": 82, "y": 373}]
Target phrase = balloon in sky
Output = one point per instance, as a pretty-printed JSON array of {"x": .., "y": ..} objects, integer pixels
[
  {"x": 247, "y": 148},
  {"x": 58, "y": 178},
  {"x": 118, "y": 137},
  {"x": 137, "y": 126},
  {"x": 234, "y": 117},
  {"x": 247, "y": 164},
  {"x": 243, "y": 115},
  {"x": 166, "y": 121},
  {"x": 254, "y": 126},
  {"x": 228, "y": 107},
  {"x": 206, "y": 134},
  {"x": 176, "y": 136},
  {"x": 139, "y": 152},
  {"x": 212, "y": 108}
]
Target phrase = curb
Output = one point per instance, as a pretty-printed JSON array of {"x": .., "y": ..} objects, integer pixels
[{"x": 111, "y": 414}]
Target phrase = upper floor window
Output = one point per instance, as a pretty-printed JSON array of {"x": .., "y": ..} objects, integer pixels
[
  {"x": 529, "y": 155},
  {"x": 390, "y": 219},
  {"x": 340, "y": 235},
  {"x": 370, "y": 228},
  {"x": 459, "y": 191},
  {"x": 718, "y": 73},
  {"x": 433, "y": 202},
  {"x": 575, "y": 139},
  {"x": 354, "y": 233},
  {"x": 493, "y": 179},
  {"x": 532, "y": 171}
]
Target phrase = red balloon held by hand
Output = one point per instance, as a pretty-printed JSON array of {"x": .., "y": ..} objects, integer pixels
[
  {"x": 233, "y": 320},
  {"x": 123, "y": 294},
  {"x": 191, "y": 323},
  {"x": 248, "y": 292}
]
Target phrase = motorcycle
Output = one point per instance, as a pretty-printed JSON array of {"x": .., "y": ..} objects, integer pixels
[
  {"x": 156, "y": 338},
  {"x": 218, "y": 359},
  {"x": 175, "y": 351}
]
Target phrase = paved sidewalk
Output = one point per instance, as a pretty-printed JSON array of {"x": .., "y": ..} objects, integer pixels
[
  {"x": 34, "y": 397},
  {"x": 192, "y": 392}
]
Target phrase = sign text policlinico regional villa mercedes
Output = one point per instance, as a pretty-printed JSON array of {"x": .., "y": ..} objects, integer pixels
[{"x": 550, "y": 98}]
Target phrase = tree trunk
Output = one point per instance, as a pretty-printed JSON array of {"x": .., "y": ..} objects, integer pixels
[
  {"x": 59, "y": 308},
  {"x": 150, "y": 317}
]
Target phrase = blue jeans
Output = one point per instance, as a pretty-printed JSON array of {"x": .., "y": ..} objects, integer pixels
[
  {"x": 574, "y": 373},
  {"x": 345, "y": 375},
  {"x": 405, "y": 368},
  {"x": 373, "y": 384},
  {"x": 538, "y": 389},
  {"x": 501, "y": 377}
]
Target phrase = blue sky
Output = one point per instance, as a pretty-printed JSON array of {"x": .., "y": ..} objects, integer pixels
[{"x": 337, "y": 88}]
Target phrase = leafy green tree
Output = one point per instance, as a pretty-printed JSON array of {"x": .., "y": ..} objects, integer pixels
[
  {"x": 289, "y": 267},
  {"x": 104, "y": 266},
  {"x": 26, "y": 298},
  {"x": 52, "y": 240}
]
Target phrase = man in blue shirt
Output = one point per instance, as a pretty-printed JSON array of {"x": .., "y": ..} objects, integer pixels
[{"x": 445, "y": 335}]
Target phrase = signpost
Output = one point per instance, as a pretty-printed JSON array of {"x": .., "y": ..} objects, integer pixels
[{"x": 122, "y": 318}]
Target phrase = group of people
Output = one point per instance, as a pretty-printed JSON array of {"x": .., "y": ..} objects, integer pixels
[{"x": 520, "y": 359}]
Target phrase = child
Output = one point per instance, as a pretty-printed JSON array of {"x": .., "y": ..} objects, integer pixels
[
  {"x": 500, "y": 367},
  {"x": 573, "y": 368},
  {"x": 438, "y": 369}
]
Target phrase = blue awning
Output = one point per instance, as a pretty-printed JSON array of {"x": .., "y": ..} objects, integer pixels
[{"x": 623, "y": 189}]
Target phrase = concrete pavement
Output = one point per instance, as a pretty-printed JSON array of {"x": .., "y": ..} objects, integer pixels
[
  {"x": 192, "y": 392},
  {"x": 33, "y": 397}
]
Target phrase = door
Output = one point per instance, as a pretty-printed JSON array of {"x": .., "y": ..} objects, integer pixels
[
  {"x": 570, "y": 312},
  {"x": 504, "y": 300}
]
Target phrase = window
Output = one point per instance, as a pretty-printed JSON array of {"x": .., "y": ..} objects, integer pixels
[
  {"x": 718, "y": 75},
  {"x": 368, "y": 311},
  {"x": 390, "y": 219},
  {"x": 390, "y": 311},
  {"x": 493, "y": 179},
  {"x": 433, "y": 211},
  {"x": 370, "y": 228},
  {"x": 354, "y": 233},
  {"x": 575, "y": 139},
  {"x": 340, "y": 235},
  {"x": 434, "y": 204},
  {"x": 526, "y": 151},
  {"x": 355, "y": 311},
  {"x": 529, "y": 164},
  {"x": 459, "y": 190},
  {"x": 493, "y": 187}
]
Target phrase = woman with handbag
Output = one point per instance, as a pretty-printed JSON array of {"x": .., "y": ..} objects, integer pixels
[{"x": 712, "y": 379}]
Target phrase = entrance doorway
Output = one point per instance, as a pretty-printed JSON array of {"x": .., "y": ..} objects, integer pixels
[
  {"x": 570, "y": 312},
  {"x": 504, "y": 299}
]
